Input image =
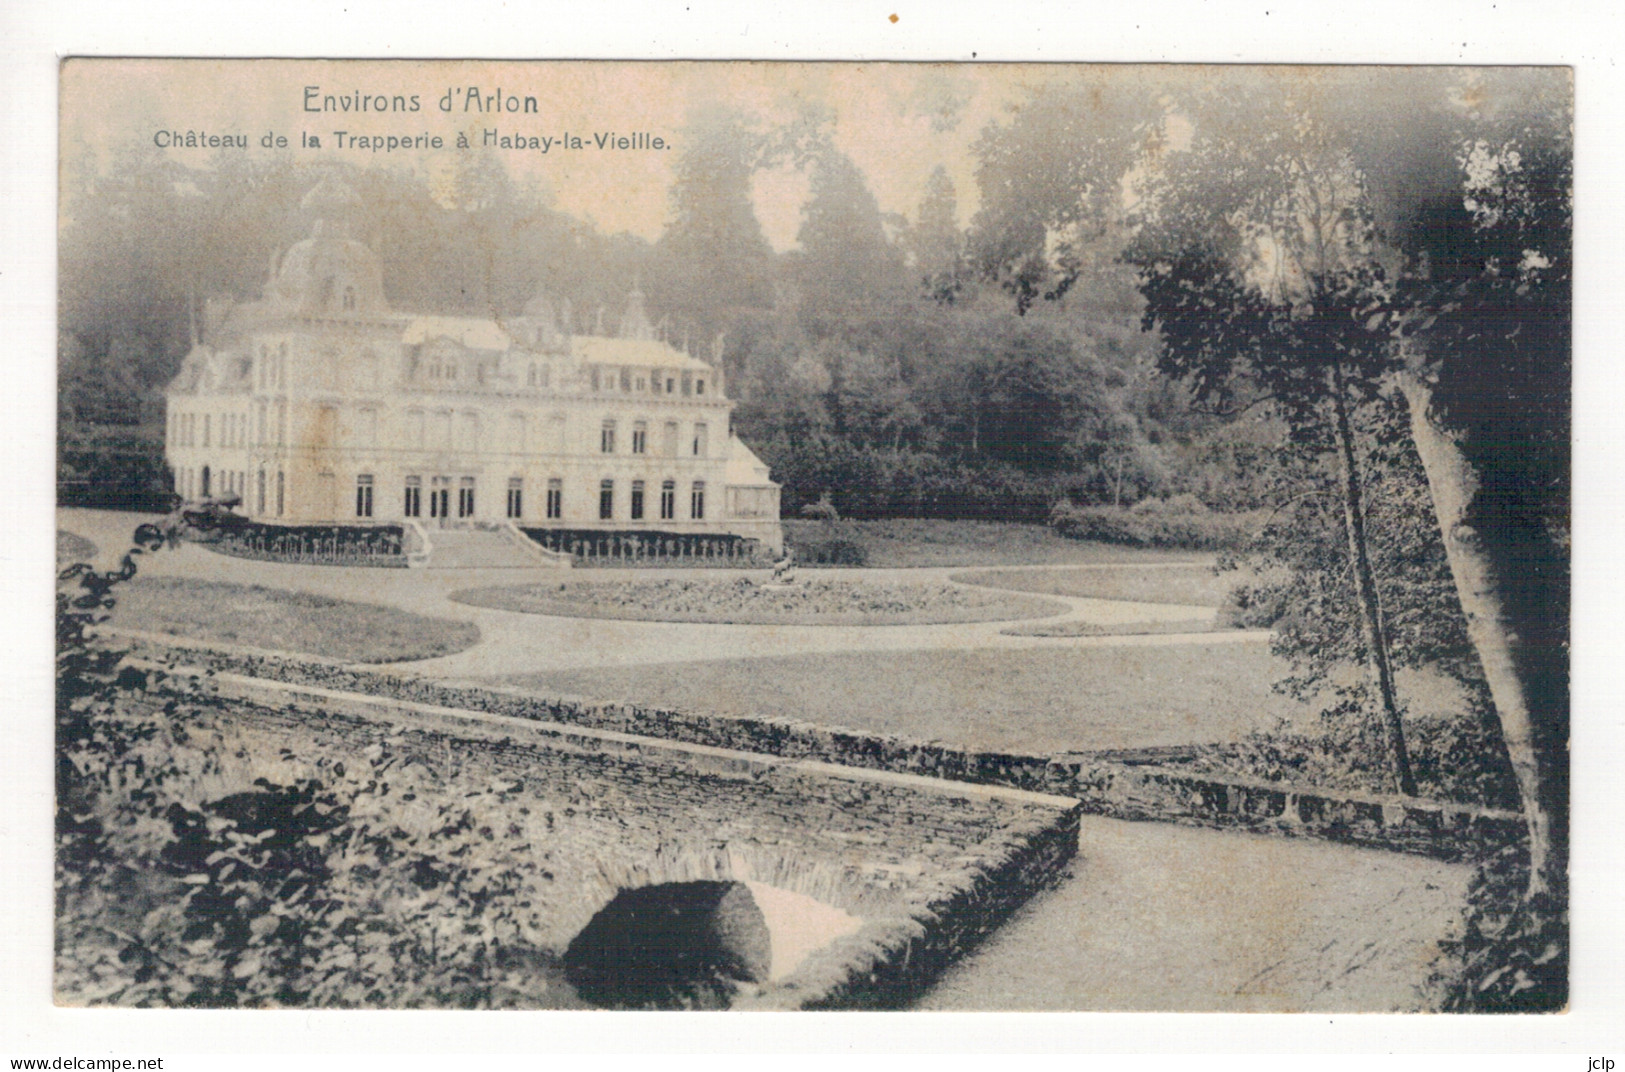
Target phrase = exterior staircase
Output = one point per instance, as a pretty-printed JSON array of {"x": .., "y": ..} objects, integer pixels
[{"x": 479, "y": 547}]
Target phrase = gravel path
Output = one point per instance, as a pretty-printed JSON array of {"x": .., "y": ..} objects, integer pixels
[
  {"x": 1160, "y": 918},
  {"x": 515, "y": 643}
]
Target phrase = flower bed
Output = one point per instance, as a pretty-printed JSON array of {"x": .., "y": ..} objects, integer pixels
[{"x": 744, "y": 601}]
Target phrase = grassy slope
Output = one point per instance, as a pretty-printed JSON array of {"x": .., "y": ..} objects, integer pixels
[
  {"x": 905, "y": 543},
  {"x": 286, "y": 621},
  {"x": 1032, "y": 701},
  {"x": 1194, "y": 585}
]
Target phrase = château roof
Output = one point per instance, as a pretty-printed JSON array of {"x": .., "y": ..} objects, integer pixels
[
  {"x": 474, "y": 333},
  {"x": 649, "y": 353}
]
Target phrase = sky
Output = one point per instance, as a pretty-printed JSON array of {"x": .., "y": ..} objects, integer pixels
[{"x": 897, "y": 121}]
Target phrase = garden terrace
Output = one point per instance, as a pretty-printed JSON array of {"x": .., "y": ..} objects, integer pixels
[{"x": 744, "y": 601}]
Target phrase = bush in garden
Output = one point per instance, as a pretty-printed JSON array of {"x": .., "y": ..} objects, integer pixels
[
  {"x": 192, "y": 874},
  {"x": 1182, "y": 522}
]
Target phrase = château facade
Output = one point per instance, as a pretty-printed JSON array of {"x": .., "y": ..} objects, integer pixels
[{"x": 319, "y": 404}]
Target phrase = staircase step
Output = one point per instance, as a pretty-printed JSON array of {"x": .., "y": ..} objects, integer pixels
[{"x": 478, "y": 549}]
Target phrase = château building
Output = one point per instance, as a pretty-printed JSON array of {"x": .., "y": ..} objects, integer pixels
[{"x": 319, "y": 404}]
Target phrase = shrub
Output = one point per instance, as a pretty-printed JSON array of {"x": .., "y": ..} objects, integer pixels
[
  {"x": 822, "y": 510},
  {"x": 833, "y": 549},
  {"x": 1182, "y": 522}
]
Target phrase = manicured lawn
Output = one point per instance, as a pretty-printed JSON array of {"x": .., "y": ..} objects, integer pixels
[
  {"x": 286, "y": 621},
  {"x": 1195, "y": 585},
  {"x": 1067, "y": 699},
  {"x": 912, "y": 542}
]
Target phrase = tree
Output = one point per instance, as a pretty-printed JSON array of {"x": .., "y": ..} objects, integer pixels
[
  {"x": 848, "y": 268},
  {"x": 935, "y": 245},
  {"x": 1486, "y": 310},
  {"x": 1300, "y": 249},
  {"x": 1257, "y": 260},
  {"x": 713, "y": 257}
]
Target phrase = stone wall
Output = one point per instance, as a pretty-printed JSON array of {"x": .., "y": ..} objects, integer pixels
[
  {"x": 1117, "y": 786},
  {"x": 929, "y": 866}
]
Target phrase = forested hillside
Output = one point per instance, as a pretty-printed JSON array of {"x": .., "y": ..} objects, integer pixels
[{"x": 872, "y": 364}]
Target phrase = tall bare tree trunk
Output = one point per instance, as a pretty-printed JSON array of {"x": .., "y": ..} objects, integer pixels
[
  {"x": 1365, "y": 583},
  {"x": 1452, "y": 483}
]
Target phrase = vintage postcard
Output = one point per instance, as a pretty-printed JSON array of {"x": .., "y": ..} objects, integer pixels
[{"x": 727, "y": 535}]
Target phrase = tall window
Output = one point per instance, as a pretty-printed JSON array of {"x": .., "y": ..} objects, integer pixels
[
  {"x": 349, "y": 299},
  {"x": 555, "y": 499},
  {"x": 414, "y": 428},
  {"x": 414, "y": 497},
  {"x": 668, "y": 500},
  {"x": 280, "y": 484},
  {"x": 516, "y": 496},
  {"x": 696, "y": 501},
  {"x": 606, "y": 500},
  {"x": 363, "y": 495},
  {"x": 640, "y": 437},
  {"x": 465, "y": 497},
  {"x": 637, "y": 500},
  {"x": 668, "y": 444},
  {"x": 699, "y": 387},
  {"x": 701, "y": 440},
  {"x": 606, "y": 438},
  {"x": 281, "y": 365},
  {"x": 259, "y": 497},
  {"x": 440, "y": 497},
  {"x": 208, "y": 421}
]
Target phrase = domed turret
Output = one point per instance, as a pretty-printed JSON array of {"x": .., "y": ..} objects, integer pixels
[{"x": 330, "y": 273}]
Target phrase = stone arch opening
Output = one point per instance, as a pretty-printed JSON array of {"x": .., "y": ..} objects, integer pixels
[{"x": 671, "y": 945}]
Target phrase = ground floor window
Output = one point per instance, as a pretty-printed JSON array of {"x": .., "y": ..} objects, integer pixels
[
  {"x": 516, "y": 497},
  {"x": 555, "y": 499},
  {"x": 363, "y": 495},
  {"x": 414, "y": 497},
  {"x": 637, "y": 500},
  {"x": 668, "y": 500},
  {"x": 606, "y": 500},
  {"x": 696, "y": 501},
  {"x": 465, "y": 497}
]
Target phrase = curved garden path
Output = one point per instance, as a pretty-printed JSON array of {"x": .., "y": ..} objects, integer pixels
[{"x": 514, "y": 643}]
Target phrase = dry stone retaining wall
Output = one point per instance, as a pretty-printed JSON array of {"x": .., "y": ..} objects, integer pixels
[
  {"x": 929, "y": 866},
  {"x": 1116, "y": 786}
]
